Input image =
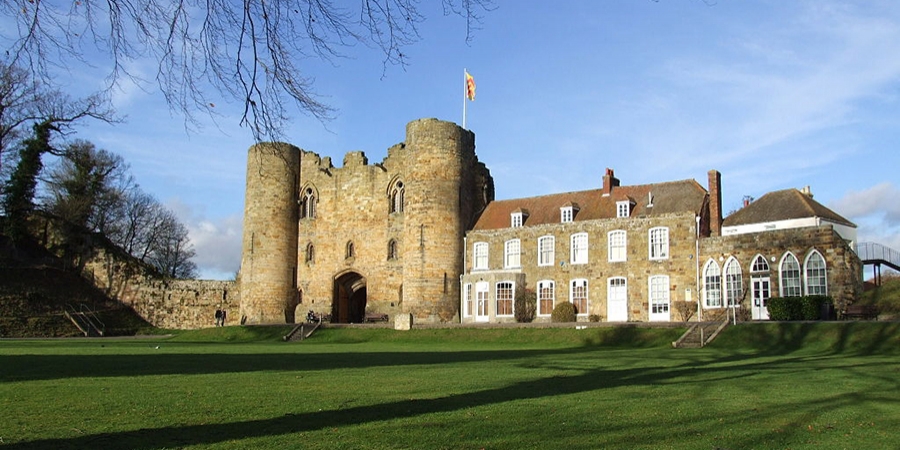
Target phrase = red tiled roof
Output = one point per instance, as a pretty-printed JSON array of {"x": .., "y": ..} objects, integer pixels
[
  {"x": 669, "y": 197},
  {"x": 786, "y": 204}
]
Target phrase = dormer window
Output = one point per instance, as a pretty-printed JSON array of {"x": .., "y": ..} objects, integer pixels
[
  {"x": 623, "y": 209},
  {"x": 516, "y": 219},
  {"x": 567, "y": 212}
]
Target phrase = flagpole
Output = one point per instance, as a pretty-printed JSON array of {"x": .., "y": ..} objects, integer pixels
[{"x": 465, "y": 96}]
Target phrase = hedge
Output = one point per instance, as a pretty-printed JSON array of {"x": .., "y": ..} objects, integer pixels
[{"x": 797, "y": 308}]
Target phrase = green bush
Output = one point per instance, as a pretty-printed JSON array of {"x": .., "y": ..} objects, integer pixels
[
  {"x": 797, "y": 308},
  {"x": 594, "y": 318},
  {"x": 526, "y": 306},
  {"x": 563, "y": 312},
  {"x": 783, "y": 308},
  {"x": 812, "y": 306}
]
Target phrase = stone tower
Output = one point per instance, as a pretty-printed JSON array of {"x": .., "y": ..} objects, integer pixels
[
  {"x": 361, "y": 240},
  {"x": 268, "y": 280},
  {"x": 442, "y": 200}
]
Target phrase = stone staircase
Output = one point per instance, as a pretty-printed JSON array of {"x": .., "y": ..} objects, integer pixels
[{"x": 700, "y": 334}]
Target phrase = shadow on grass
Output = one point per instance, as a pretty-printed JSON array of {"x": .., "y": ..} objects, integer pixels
[
  {"x": 589, "y": 380},
  {"x": 49, "y": 367},
  {"x": 780, "y": 338}
]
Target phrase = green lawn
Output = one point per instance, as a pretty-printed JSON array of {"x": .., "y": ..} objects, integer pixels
[{"x": 832, "y": 386}]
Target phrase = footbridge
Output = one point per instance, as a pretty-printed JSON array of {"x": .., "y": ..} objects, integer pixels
[{"x": 874, "y": 254}]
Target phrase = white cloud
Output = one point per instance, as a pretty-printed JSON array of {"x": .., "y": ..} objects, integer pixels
[
  {"x": 881, "y": 201},
  {"x": 217, "y": 241}
]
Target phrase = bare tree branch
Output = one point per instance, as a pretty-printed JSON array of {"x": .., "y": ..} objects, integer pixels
[{"x": 249, "y": 51}]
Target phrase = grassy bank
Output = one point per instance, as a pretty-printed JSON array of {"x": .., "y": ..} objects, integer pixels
[{"x": 758, "y": 386}]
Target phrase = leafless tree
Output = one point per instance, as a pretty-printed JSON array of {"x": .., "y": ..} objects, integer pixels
[
  {"x": 171, "y": 251},
  {"x": 250, "y": 50},
  {"x": 26, "y": 101}
]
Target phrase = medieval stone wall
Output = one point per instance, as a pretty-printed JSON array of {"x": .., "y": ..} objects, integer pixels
[
  {"x": 444, "y": 188},
  {"x": 174, "y": 304}
]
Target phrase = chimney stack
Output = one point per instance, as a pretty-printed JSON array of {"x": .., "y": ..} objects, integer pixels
[
  {"x": 807, "y": 191},
  {"x": 609, "y": 182},
  {"x": 715, "y": 203}
]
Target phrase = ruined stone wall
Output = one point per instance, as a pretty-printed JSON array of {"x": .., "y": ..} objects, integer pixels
[
  {"x": 637, "y": 269},
  {"x": 174, "y": 304},
  {"x": 444, "y": 186}
]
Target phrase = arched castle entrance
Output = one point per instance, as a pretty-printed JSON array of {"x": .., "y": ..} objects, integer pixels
[{"x": 349, "y": 298}]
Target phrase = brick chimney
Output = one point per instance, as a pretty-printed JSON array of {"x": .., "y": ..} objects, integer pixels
[
  {"x": 715, "y": 203},
  {"x": 609, "y": 182}
]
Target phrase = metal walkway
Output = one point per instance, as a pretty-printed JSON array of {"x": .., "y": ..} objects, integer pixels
[{"x": 876, "y": 254}]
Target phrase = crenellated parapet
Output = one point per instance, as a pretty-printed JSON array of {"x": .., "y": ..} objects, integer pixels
[{"x": 383, "y": 237}]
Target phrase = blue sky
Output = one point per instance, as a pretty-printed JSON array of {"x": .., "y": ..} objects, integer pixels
[{"x": 773, "y": 94}]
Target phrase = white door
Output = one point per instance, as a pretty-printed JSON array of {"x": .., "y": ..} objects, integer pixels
[
  {"x": 617, "y": 300},
  {"x": 659, "y": 298},
  {"x": 481, "y": 301},
  {"x": 761, "y": 294}
]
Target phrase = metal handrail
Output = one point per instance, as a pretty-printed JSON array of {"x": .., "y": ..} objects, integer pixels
[
  {"x": 92, "y": 317},
  {"x": 871, "y": 251}
]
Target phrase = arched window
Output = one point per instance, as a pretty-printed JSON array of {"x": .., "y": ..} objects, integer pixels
[
  {"x": 396, "y": 196},
  {"x": 734, "y": 284},
  {"x": 659, "y": 243},
  {"x": 616, "y": 246},
  {"x": 578, "y": 295},
  {"x": 790, "y": 276},
  {"x": 481, "y": 256},
  {"x": 308, "y": 204},
  {"x": 505, "y": 293},
  {"x": 759, "y": 265},
  {"x": 351, "y": 251},
  {"x": 712, "y": 285},
  {"x": 310, "y": 253},
  {"x": 512, "y": 254},
  {"x": 816, "y": 283},
  {"x": 579, "y": 248},
  {"x": 392, "y": 250},
  {"x": 546, "y": 253},
  {"x": 546, "y": 296}
]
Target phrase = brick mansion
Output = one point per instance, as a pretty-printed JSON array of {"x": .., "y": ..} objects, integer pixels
[{"x": 420, "y": 233}]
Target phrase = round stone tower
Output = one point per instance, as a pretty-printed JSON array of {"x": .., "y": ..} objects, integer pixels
[
  {"x": 269, "y": 255},
  {"x": 440, "y": 154}
]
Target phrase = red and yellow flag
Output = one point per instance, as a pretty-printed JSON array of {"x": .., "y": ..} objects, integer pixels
[{"x": 470, "y": 87}]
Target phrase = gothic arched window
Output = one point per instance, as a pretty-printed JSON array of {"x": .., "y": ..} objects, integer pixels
[
  {"x": 308, "y": 204},
  {"x": 392, "y": 250},
  {"x": 310, "y": 253},
  {"x": 351, "y": 251},
  {"x": 397, "y": 197}
]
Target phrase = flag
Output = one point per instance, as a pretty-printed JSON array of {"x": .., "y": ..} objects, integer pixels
[{"x": 470, "y": 87}]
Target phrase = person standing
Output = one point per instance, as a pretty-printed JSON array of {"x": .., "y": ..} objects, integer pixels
[{"x": 219, "y": 320}]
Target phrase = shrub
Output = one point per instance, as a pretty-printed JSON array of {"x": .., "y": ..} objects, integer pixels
[
  {"x": 783, "y": 308},
  {"x": 563, "y": 312},
  {"x": 797, "y": 308},
  {"x": 811, "y": 306},
  {"x": 594, "y": 318},
  {"x": 526, "y": 305}
]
